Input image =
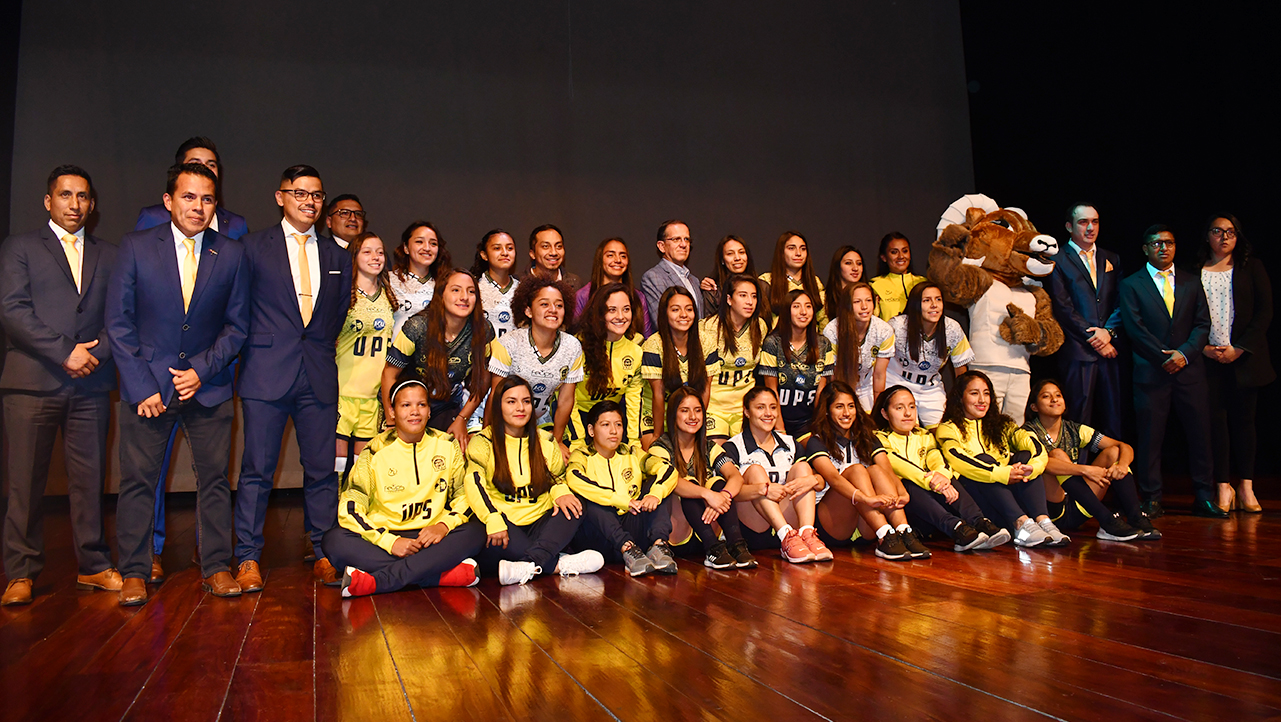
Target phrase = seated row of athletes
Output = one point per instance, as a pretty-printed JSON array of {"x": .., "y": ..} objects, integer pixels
[{"x": 616, "y": 446}]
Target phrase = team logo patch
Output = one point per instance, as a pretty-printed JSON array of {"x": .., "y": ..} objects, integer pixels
[
  {"x": 627, "y": 362},
  {"x": 455, "y": 361},
  {"x": 921, "y": 453},
  {"x": 564, "y": 372},
  {"x": 379, "y": 324},
  {"x": 740, "y": 362},
  {"x": 439, "y": 463},
  {"x": 504, "y": 316},
  {"x": 800, "y": 379},
  {"x": 924, "y": 365},
  {"x": 442, "y": 486},
  {"x": 393, "y": 487},
  {"x": 540, "y": 387},
  {"x": 710, "y": 424},
  {"x": 357, "y": 325},
  {"x": 627, "y": 474}
]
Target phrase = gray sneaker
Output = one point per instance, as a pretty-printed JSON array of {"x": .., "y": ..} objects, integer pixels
[
  {"x": 660, "y": 555},
  {"x": 636, "y": 562}
]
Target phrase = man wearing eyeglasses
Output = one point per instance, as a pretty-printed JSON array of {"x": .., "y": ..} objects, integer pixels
[
  {"x": 1167, "y": 320},
  {"x": 345, "y": 219},
  {"x": 673, "y": 251},
  {"x": 300, "y": 288}
]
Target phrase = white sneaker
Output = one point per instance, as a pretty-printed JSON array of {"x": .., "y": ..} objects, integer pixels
[
  {"x": 1057, "y": 538},
  {"x": 571, "y": 565},
  {"x": 517, "y": 572},
  {"x": 1031, "y": 535}
]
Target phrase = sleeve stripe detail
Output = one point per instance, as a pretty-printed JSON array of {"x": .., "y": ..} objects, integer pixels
[
  {"x": 580, "y": 475},
  {"x": 489, "y": 504},
  {"x": 972, "y": 461},
  {"x": 351, "y": 511}
]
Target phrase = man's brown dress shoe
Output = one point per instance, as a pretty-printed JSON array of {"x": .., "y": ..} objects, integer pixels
[
  {"x": 18, "y": 592},
  {"x": 107, "y": 580},
  {"x": 221, "y": 584},
  {"x": 326, "y": 573},
  {"x": 133, "y": 593},
  {"x": 249, "y": 577},
  {"x": 157, "y": 571}
]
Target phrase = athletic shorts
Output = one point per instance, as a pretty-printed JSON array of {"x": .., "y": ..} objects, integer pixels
[
  {"x": 724, "y": 424},
  {"x": 359, "y": 418}
]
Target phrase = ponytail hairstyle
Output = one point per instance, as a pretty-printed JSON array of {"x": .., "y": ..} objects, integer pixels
[
  {"x": 993, "y": 424},
  {"x": 384, "y": 277},
  {"x": 883, "y": 403},
  {"x": 916, "y": 323},
  {"x": 696, "y": 466},
  {"x": 592, "y": 332},
  {"x": 849, "y": 340},
  {"x": 778, "y": 276},
  {"x": 437, "y": 267},
  {"x": 728, "y": 339},
  {"x": 753, "y": 392},
  {"x": 861, "y": 430},
  {"x": 479, "y": 264},
  {"x": 836, "y": 282},
  {"x": 693, "y": 347},
  {"x": 784, "y": 327},
  {"x": 540, "y": 481}
]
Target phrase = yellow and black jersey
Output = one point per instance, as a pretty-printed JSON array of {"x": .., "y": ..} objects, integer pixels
[
  {"x": 624, "y": 477},
  {"x": 1073, "y": 439},
  {"x": 399, "y": 486},
  {"x": 797, "y": 378},
  {"x": 973, "y": 457},
  {"x": 652, "y": 370},
  {"x": 664, "y": 450},
  {"x": 915, "y": 456},
  {"x": 361, "y": 352},
  {"x": 495, "y": 508},
  {"x": 624, "y": 388},
  {"x": 410, "y": 350},
  {"x": 736, "y": 373}
]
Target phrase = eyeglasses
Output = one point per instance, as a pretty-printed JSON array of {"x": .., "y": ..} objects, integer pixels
[
  {"x": 302, "y": 195},
  {"x": 677, "y": 239},
  {"x": 347, "y": 213},
  {"x": 1161, "y": 244},
  {"x": 1228, "y": 233}
]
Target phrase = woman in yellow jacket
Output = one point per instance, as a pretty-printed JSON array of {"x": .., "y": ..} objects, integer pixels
[
  {"x": 611, "y": 361},
  {"x": 403, "y": 518},
  {"x": 626, "y": 493},
  {"x": 998, "y": 463},
  {"x": 517, "y": 489},
  {"x": 936, "y": 503}
]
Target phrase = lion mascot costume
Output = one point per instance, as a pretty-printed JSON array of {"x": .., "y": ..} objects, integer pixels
[{"x": 988, "y": 259}]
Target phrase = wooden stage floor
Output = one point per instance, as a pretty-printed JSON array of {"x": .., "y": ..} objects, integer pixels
[{"x": 1186, "y": 628}]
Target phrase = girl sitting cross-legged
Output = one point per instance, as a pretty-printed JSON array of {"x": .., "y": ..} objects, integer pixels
[
  {"x": 627, "y": 495},
  {"x": 392, "y": 534}
]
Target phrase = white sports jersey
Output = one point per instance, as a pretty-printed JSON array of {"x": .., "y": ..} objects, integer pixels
[
  {"x": 516, "y": 355},
  {"x": 744, "y": 452},
  {"x": 921, "y": 375},
  {"x": 497, "y": 303},
  {"x": 877, "y": 344},
  {"x": 412, "y": 296}
]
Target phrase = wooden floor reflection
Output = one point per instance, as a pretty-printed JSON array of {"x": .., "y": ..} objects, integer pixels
[{"x": 1187, "y": 628}]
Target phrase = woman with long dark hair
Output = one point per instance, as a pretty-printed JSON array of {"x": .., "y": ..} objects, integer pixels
[
  {"x": 419, "y": 261},
  {"x": 864, "y": 343},
  {"x": 845, "y": 270},
  {"x": 666, "y": 360},
  {"x": 612, "y": 264},
  {"x": 362, "y": 348},
  {"x": 732, "y": 256},
  {"x": 792, "y": 270},
  {"x": 495, "y": 271},
  {"x": 735, "y": 334},
  {"x": 925, "y": 340},
  {"x": 795, "y": 362},
  {"x": 894, "y": 279},
  {"x": 611, "y": 361}
]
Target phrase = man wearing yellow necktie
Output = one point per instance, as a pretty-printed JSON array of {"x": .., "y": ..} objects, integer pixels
[
  {"x": 1167, "y": 321},
  {"x": 58, "y": 372},
  {"x": 177, "y": 316}
]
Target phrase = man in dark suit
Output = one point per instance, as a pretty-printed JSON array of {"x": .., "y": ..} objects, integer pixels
[
  {"x": 1168, "y": 322},
  {"x": 300, "y": 290},
  {"x": 57, "y": 375},
  {"x": 1083, "y": 289},
  {"x": 673, "y": 252},
  {"x": 345, "y": 219},
  {"x": 177, "y": 315},
  {"x": 197, "y": 150}
]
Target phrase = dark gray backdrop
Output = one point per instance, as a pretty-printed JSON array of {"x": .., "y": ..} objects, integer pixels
[{"x": 841, "y": 120}]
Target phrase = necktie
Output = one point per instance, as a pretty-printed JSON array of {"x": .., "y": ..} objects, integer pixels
[
  {"x": 1089, "y": 265},
  {"x": 73, "y": 257},
  {"x": 1167, "y": 290},
  {"x": 188, "y": 272},
  {"x": 304, "y": 279}
]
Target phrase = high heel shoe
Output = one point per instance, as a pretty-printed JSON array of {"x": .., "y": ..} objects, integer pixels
[
  {"x": 1238, "y": 504},
  {"x": 1232, "y": 501}
]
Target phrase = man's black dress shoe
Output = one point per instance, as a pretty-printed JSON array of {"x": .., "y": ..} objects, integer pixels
[
  {"x": 1207, "y": 509},
  {"x": 1152, "y": 509}
]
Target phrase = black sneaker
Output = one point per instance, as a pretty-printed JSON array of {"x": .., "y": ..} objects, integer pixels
[
  {"x": 966, "y": 537},
  {"x": 891, "y": 547},
  {"x": 743, "y": 558},
  {"x": 1152, "y": 509},
  {"x": 636, "y": 562},
  {"x": 718, "y": 557},
  {"x": 1144, "y": 524},
  {"x": 915, "y": 548},
  {"x": 996, "y": 536},
  {"x": 1114, "y": 528}
]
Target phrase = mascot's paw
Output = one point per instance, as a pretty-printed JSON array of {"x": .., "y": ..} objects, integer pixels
[{"x": 1021, "y": 328}]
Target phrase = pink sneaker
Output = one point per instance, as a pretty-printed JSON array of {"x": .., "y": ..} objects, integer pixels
[
  {"x": 816, "y": 545},
  {"x": 795, "y": 550}
]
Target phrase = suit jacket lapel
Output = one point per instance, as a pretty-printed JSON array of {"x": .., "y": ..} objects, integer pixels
[
  {"x": 279, "y": 249},
  {"x": 167, "y": 262},
  {"x": 1078, "y": 266},
  {"x": 205, "y": 265},
  {"x": 1182, "y": 291},
  {"x": 88, "y": 264},
  {"x": 1154, "y": 296},
  {"x": 54, "y": 246}
]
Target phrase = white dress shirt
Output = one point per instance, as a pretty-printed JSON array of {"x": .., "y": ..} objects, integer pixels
[
  {"x": 180, "y": 248},
  {"x": 313, "y": 261},
  {"x": 58, "y": 233},
  {"x": 1160, "y": 282}
]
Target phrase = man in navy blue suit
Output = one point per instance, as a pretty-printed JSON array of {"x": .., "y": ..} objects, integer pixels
[
  {"x": 197, "y": 150},
  {"x": 300, "y": 289},
  {"x": 177, "y": 314},
  {"x": 1083, "y": 290}
]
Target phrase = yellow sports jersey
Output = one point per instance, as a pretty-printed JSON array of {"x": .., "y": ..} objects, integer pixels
[
  {"x": 964, "y": 454},
  {"x": 624, "y": 477},
  {"x": 892, "y": 290},
  {"x": 495, "y": 508},
  {"x": 652, "y": 369},
  {"x": 736, "y": 374},
  {"x": 398, "y": 486},
  {"x": 914, "y": 457},
  {"x": 624, "y": 388},
  {"x": 795, "y": 285},
  {"x": 664, "y": 450},
  {"x": 362, "y": 346}
]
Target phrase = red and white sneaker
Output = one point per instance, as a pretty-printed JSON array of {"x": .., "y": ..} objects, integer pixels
[
  {"x": 794, "y": 549},
  {"x": 816, "y": 545},
  {"x": 356, "y": 583},
  {"x": 463, "y": 575}
]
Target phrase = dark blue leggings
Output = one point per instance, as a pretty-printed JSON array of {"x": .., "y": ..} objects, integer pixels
[{"x": 346, "y": 548}]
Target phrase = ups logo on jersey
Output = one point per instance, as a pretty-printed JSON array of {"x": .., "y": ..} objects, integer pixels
[
  {"x": 921, "y": 454},
  {"x": 627, "y": 474},
  {"x": 627, "y": 362},
  {"x": 442, "y": 486},
  {"x": 709, "y": 424},
  {"x": 564, "y": 372},
  {"x": 439, "y": 463}
]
